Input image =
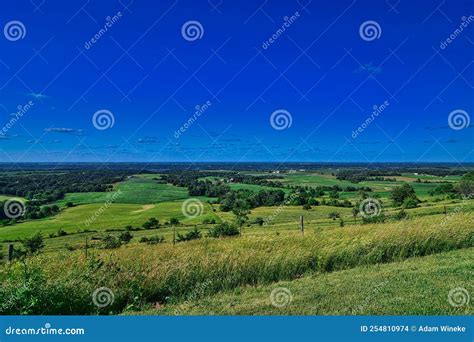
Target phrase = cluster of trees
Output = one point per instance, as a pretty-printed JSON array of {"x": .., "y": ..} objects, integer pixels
[
  {"x": 47, "y": 187},
  {"x": 405, "y": 196},
  {"x": 250, "y": 199},
  {"x": 359, "y": 175}
]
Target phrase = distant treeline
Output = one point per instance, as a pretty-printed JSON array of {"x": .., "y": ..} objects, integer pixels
[{"x": 46, "y": 187}]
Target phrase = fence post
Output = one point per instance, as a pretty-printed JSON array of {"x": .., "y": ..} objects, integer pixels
[
  {"x": 302, "y": 224},
  {"x": 10, "y": 252},
  {"x": 174, "y": 235}
]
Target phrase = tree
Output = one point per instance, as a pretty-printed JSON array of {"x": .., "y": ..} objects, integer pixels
[
  {"x": 466, "y": 185},
  {"x": 174, "y": 221},
  {"x": 33, "y": 244},
  {"x": 125, "y": 237},
  {"x": 240, "y": 210},
  {"x": 402, "y": 193}
]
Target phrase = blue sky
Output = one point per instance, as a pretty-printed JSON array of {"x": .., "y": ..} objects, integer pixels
[{"x": 321, "y": 71}]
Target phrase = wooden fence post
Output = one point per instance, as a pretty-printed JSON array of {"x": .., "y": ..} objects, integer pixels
[
  {"x": 87, "y": 246},
  {"x": 10, "y": 252},
  {"x": 302, "y": 224}
]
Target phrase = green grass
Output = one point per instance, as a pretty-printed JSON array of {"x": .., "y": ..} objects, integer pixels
[
  {"x": 417, "y": 286},
  {"x": 112, "y": 216},
  {"x": 138, "y": 190},
  {"x": 140, "y": 274}
]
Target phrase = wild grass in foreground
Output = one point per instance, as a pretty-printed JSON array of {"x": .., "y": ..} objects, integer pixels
[
  {"x": 64, "y": 283},
  {"x": 433, "y": 285}
]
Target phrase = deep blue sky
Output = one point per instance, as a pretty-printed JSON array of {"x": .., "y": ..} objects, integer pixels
[{"x": 320, "y": 70}]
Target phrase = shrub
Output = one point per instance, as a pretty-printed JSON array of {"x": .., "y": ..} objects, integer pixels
[
  {"x": 223, "y": 229},
  {"x": 33, "y": 244},
  {"x": 110, "y": 242},
  {"x": 125, "y": 237},
  {"x": 306, "y": 206},
  {"x": 400, "y": 194},
  {"x": 174, "y": 221},
  {"x": 152, "y": 240},
  {"x": 192, "y": 235},
  {"x": 334, "y": 215}
]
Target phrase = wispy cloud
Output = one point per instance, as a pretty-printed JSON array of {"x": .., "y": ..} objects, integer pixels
[
  {"x": 147, "y": 140},
  {"x": 38, "y": 96},
  {"x": 370, "y": 68},
  {"x": 64, "y": 130}
]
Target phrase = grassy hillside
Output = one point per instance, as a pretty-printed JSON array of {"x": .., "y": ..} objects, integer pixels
[
  {"x": 112, "y": 216},
  {"x": 141, "y": 274},
  {"x": 417, "y": 286}
]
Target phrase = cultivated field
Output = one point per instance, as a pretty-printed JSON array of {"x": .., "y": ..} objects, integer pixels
[{"x": 404, "y": 260}]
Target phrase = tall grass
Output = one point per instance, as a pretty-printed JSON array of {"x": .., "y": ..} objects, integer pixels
[{"x": 63, "y": 283}]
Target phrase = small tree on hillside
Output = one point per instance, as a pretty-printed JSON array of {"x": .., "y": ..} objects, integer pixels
[{"x": 404, "y": 194}]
